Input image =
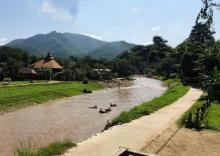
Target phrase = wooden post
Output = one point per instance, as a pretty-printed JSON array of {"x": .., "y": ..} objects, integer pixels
[
  {"x": 197, "y": 123},
  {"x": 189, "y": 123}
]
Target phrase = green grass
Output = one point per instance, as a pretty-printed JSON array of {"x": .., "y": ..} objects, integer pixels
[
  {"x": 175, "y": 91},
  {"x": 211, "y": 118},
  {"x": 14, "y": 97},
  {"x": 53, "y": 149}
]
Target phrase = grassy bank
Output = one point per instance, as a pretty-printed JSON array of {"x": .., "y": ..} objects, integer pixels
[
  {"x": 14, "y": 97},
  {"x": 211, "y": 118},
  {"x": 175, "y": 91},
  {"x": 53, "y": 149}
]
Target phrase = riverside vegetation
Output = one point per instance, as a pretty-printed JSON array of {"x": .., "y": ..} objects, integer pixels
[{"x": 53, "y": 149}]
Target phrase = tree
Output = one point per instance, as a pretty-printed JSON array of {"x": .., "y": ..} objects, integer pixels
[
  {"x": 201, "y": 33},
  {"x": 187, "y": 65},
  {"x": 158, "y": 40},
  {"x": 210, "y": 57},
  {"x": 48, "y": 72},
  {"x": 123, "y": 67},
  {"x": 211, "y": 84},
  {"x": 206, "y": 12}
]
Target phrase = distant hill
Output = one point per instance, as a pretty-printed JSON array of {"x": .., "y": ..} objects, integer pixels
[
  {"x": 111, "y": 49},
  {"x": 69, "y": 44}
]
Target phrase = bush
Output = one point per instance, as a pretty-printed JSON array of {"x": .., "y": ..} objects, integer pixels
[
  {"x": 85, "y": 81},
  {"x": 7, "y": 80},
  {"x": 173, "y": 76}
]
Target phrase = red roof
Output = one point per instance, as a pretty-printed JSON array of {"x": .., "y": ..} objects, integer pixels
[{"x": 47, "y": 62}]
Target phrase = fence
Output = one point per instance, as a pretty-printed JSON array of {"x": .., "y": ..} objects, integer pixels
[{"x": 194, "y": 119}]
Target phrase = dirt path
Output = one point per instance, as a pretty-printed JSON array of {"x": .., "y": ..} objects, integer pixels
[
  {"x": 138, "y": 133},
  {"x": 184, "y": 142}
]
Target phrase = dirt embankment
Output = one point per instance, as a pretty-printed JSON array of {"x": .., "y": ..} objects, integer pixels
[{"x": 185, "y": 142}]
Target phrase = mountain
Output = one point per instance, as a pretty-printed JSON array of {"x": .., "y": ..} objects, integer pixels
[
  {"x": 111, "y": 50},
  {"x": 69, "y": 44}
]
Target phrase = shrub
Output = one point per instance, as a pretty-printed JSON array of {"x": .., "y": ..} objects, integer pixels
[
  {"x": 173, "y": 76},
  {"x": 7, "y": 79},
  {"x": 85, "y": 81}
]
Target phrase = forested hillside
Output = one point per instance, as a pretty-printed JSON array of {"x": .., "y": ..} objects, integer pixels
[{"x": 68, "y": 44}]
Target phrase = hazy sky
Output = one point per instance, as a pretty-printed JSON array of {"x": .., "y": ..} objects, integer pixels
[{"x": 134, "y": 21}]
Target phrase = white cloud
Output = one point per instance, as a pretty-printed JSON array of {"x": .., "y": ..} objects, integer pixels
[
  {"x": 3, "y": 41},
  {"x": 58, "y": 13},
  {"x": 155, "y": 28},
  {"x": 99, "y": 37}
]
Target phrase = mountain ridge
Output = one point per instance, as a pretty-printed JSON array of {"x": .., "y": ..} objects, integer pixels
[{"x": 69, "y": 44}]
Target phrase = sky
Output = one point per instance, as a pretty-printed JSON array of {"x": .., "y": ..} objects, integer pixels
[{"x": 133, "y": 21}]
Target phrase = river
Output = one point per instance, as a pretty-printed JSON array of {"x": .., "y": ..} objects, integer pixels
[{"x": 70, "y": 117}]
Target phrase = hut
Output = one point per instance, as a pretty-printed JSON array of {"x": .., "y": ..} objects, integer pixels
[{"x": 47, "y": 63}]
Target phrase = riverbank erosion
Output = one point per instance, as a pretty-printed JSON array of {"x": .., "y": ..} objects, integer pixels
[
  {"x": 72, "y": 117},
  {"x": 138, "y": 133}
]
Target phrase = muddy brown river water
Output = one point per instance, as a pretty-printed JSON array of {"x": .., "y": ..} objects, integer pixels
[{"x": 71, "y": 117}]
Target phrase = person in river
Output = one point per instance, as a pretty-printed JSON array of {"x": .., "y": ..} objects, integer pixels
[
  {"x": 113, "y": 105},
  {"x": 101, "y": 111}
]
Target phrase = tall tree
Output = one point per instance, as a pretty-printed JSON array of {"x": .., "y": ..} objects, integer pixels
[
  {"x": 201, "y": 33},
  {"x": 206, "y": 12}
]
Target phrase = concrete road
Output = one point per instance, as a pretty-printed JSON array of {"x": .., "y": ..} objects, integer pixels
[{"x": 136, "y": 134}]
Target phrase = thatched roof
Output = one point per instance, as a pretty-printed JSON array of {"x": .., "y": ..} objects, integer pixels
[{"x": 47, "y": 62}]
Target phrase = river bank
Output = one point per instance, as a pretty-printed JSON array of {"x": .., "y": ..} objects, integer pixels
[
  {"x": 71, "y": 117},
  {"x": 135, "y": 134}
]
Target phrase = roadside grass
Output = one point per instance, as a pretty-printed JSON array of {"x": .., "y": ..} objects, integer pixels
[
  {"x": 53, "y": 149},
  {"x": 14, "y": 97},
  {"x": 211, "y": 118},
  {"x": 174, "y": 92}
]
